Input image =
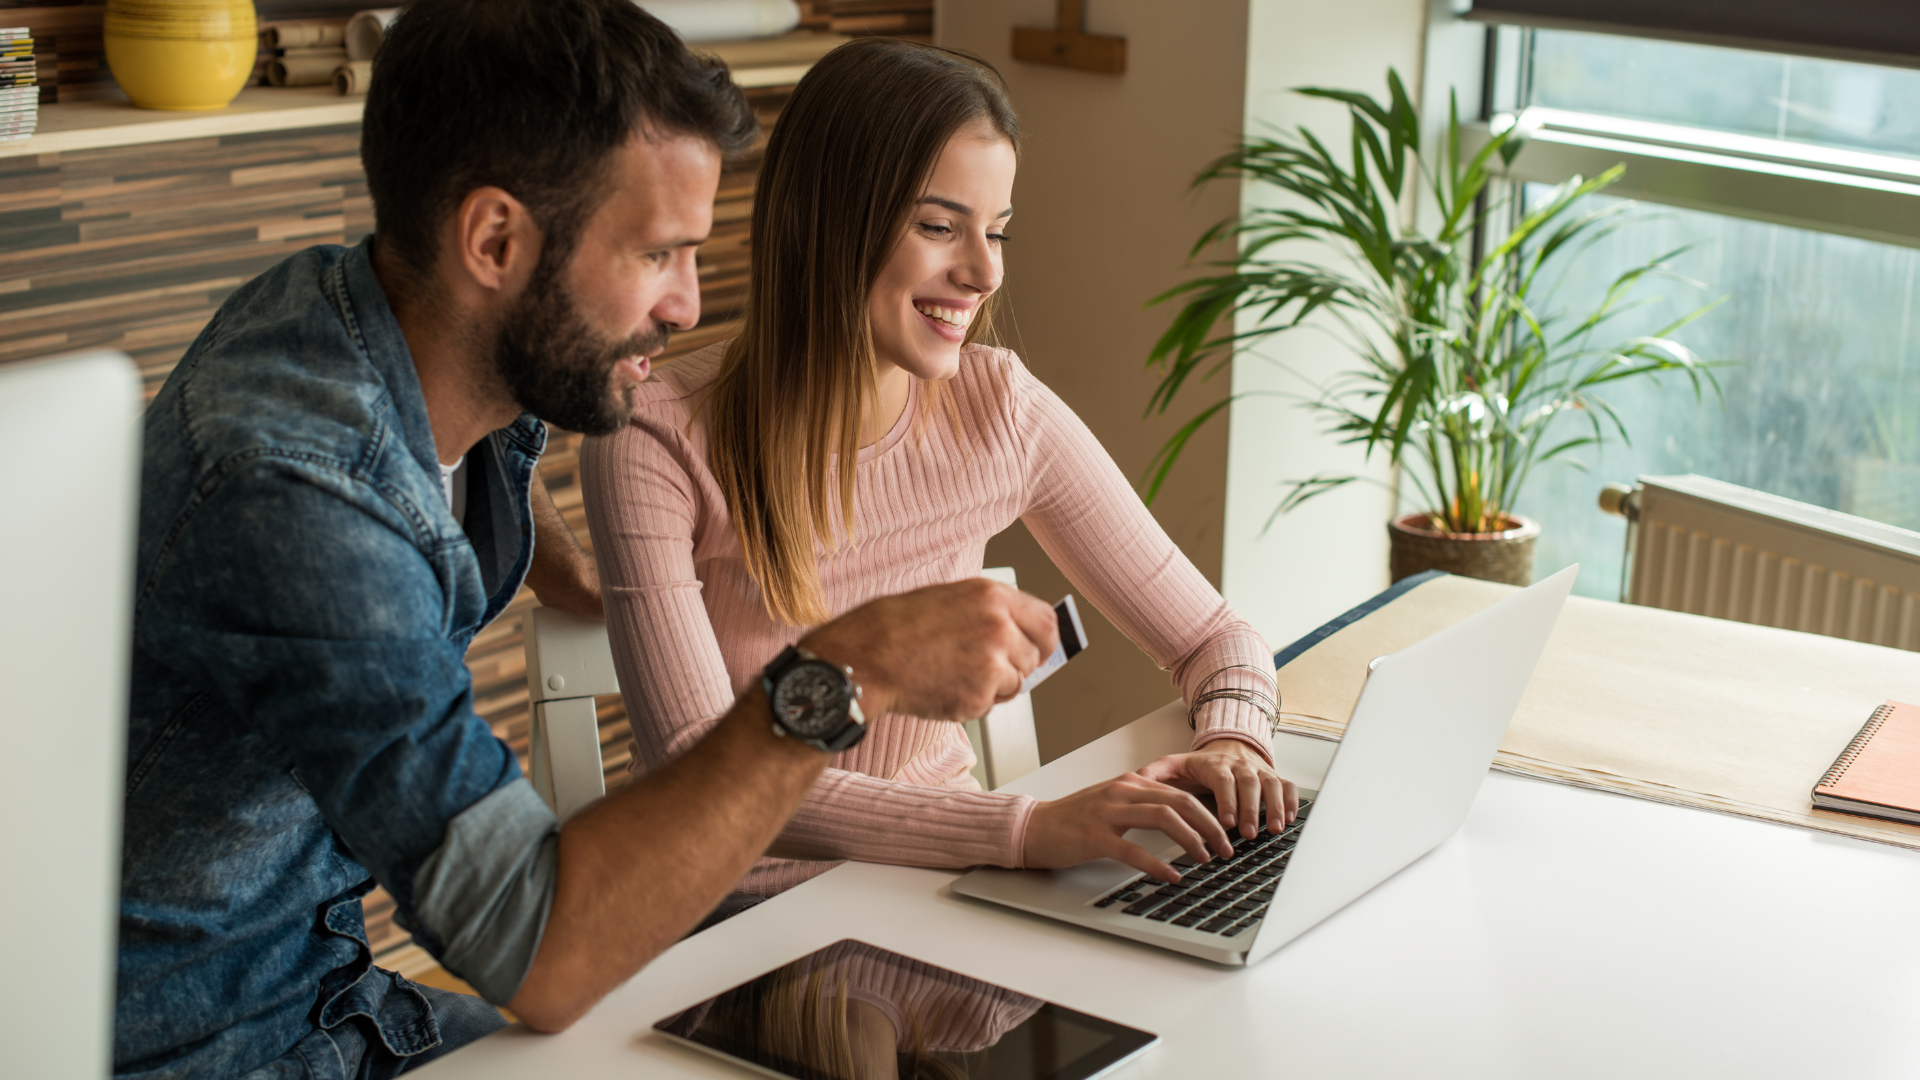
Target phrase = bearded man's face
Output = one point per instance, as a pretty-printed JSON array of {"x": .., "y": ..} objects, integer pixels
[
  {"x": 558, "y": 367},
  {"x": 595, "y": 312}
]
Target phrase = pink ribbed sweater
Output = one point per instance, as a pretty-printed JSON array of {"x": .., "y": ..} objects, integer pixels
[{"x": 689, "y": 631}]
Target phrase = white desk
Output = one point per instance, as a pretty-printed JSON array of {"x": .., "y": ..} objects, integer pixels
[{"x": 1562, "y": 933}]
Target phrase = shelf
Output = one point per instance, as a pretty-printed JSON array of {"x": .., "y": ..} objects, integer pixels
[
  {"x": 798, "y": 49},
  {"x": 92, "y": 125}
]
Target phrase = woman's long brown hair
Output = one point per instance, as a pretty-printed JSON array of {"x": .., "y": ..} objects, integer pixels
[{"x": 845, "y": 166}]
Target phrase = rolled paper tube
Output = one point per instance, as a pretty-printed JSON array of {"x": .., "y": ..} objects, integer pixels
[
  {"x": 352, "y": 77},
  {"x": 303, "y": 70},
  {"x": 724, "y": 20},
  {"x": 365, "y": 30},
  {"x": 307, "y": 34}
]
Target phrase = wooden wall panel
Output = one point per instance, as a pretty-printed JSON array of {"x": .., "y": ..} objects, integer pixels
[{"x": 133, "y": 248}]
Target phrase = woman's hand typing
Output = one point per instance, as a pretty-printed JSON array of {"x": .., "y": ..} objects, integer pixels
[
  {"x": 1091, "y": 824},
  {"x": 1239, "y": 779}
]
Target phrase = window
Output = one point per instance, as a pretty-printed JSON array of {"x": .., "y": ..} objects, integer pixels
[
  {"x": 1825, "y": 102},
  {"x": 1798, "y": 182}
]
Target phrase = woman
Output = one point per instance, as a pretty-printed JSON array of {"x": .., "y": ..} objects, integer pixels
[{"x": 855, "y": 441}]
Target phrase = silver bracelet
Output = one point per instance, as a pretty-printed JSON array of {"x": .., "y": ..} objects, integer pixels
[{"x": 1268, "y": 705}]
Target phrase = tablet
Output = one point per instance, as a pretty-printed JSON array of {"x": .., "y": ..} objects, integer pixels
[{"x": 853, "y": 1011}]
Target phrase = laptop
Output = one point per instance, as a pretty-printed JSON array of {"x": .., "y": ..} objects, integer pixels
[
  {"x": 1417, "y": 746},
  {"x": 70, "y": 433}
]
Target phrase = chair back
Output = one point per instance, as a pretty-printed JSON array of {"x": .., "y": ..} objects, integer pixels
[
  {"x": 569, "y": 663},
  {"x": 1005, "y": 746}
]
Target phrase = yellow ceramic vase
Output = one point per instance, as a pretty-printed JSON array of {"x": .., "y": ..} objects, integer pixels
[{"x": 181, "y": 54}]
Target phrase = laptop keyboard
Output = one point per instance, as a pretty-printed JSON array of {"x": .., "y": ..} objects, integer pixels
[{"x": 1225, "y": 896}]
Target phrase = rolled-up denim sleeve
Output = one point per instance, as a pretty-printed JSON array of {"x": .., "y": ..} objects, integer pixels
[
  {"x": 313, "y": 601},
  {"x": 489, "y": 887}
]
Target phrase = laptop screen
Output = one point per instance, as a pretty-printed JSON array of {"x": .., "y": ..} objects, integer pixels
[{"x": 69, "y": 433}]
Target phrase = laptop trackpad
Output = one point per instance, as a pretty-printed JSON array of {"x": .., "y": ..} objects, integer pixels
[
  {"x": 1155, "y": 841},
  {"x": 1068, "y": 890},
  {"x": 1099, "y": 877}
]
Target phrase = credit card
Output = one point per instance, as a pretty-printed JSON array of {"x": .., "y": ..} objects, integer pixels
[{"x": 1073, "y": 638}]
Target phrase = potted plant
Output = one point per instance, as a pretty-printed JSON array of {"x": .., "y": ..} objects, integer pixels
[{"x": 1462, "y": 381}]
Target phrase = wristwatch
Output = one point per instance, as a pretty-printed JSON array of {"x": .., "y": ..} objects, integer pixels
[{"x": 815, "y": 701}]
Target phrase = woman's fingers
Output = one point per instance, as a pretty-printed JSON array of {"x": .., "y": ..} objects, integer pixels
[
  {"x": 1169, "y": 819},
  {"x": 1242, "y": 784},
  {"x": 1091, "y": 823},
  {"x": 1247, "y": 787},
  {"x": 1215, "y": 775},
  {"x": 1181, "y": 828},
  {"x": 1163, "y": 819},
  {"x": 1173, "y": 770},
  {"x": 1272, "y": 795},
  {"x": 1236, "y": 788},
  {"x": 1188, "y": 809},
  {"x": 1137, "y": 803},
  {"x": 1088, "y": 824}
]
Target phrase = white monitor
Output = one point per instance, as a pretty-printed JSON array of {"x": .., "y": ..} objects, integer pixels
[{"x": 69, "y": 478}]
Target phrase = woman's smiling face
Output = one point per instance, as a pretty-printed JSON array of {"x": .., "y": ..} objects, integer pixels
[{"x": 948, "y": 261}]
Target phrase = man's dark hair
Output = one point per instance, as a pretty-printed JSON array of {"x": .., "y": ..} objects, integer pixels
[{"x": 531, "y": 96}]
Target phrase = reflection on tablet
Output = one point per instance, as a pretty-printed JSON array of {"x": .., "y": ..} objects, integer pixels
[{"x": 855, "y": 1012}]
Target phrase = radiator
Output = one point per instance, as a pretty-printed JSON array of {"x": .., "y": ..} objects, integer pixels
[{"x": 1712, "y": 548}]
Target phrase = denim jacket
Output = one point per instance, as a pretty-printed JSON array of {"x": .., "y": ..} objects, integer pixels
[{"x": 302, "y": 721}]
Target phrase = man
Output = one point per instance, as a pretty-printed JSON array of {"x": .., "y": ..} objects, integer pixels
[{"x": 338, "y": 492}]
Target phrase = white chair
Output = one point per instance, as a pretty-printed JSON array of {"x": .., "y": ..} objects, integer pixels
[
  {"x": 1005, "y": 747},
  {"x": 569, "y": 663}
]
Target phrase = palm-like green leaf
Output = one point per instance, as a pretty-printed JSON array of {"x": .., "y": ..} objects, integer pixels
[{"x": 1466, "y": 371}]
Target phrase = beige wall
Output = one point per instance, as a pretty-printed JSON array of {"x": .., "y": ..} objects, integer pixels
[
  {"x": 1327, "y": 556},
  {"x": 1103, "y": 222}
]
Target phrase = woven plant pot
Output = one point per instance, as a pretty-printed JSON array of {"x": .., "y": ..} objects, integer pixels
[{"x": 1505, "y": 556}]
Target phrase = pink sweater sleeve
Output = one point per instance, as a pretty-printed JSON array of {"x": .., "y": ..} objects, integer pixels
[
  {"x": 1095, "y": 528},
  {"x": 645, "y": 500}
]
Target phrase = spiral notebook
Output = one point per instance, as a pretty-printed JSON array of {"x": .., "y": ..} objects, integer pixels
[{"x": 1878, "y": 775}]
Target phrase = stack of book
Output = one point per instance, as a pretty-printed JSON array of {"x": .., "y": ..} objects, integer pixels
[{"x": 19, "y": 89}]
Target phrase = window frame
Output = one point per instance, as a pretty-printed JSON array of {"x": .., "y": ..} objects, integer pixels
[
  {"x": 1801, "y": 185},
  {"x": 1850, "y": 30},
  {"x": 1855, "y": 193}
]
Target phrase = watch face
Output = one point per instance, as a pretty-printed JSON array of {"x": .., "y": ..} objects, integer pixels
[{"x": 811, "y": 699}]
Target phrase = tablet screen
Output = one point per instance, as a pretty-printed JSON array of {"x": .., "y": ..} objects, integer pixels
[{"x": 856, "y": 1012}]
